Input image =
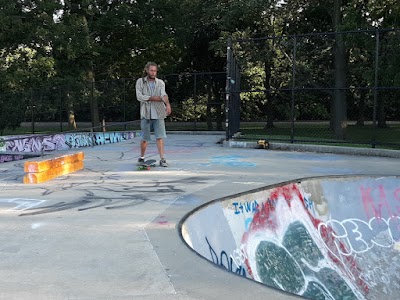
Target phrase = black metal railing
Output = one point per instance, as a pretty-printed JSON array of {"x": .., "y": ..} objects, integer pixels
[{"x": 298, "y": 89}]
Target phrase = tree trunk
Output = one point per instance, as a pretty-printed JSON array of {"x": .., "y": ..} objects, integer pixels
[
  {"x": 268, "y": 95},
  {"x": 381, "y": 116},
  {"x": 217, "y": 93},
  {"x": 340, "y": 110},
  {"x": 88, "y": 65},
  {"x": 361, "y": 108},
  {"x": 80, "y": 10},
  {"x": 94, "y": 105}
]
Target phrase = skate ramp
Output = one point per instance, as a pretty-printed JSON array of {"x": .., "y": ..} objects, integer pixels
[{"x": 319, "y": 238}]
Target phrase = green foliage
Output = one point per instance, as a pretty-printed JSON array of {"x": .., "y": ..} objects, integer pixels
[
  {"x": 12, "y": 110},
  {"x": 65, "y": 43}
]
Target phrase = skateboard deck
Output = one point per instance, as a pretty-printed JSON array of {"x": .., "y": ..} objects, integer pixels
[{"x": 147, "y": 165}]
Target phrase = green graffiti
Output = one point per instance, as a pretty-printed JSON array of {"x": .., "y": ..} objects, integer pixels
[
  {"x": 317, "y": 292},
  {"x": 289, "y": 267},
  {"x": 277, "y": 268},
  {"x": 299, "y": 243},
  {"x": 335, "y": 284}
]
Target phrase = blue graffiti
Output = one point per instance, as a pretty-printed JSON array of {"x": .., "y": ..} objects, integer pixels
[
  {"x": 245, "y": 207},
  {"x": 225, "y": 261},
  {"x": 309, "y": 157},
  {"x": 309, "y": 204},
  {"x": 247, "y": 223},
  {"x": 230, "y": 161}
]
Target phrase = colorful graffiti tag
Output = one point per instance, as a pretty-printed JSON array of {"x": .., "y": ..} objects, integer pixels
[
  {"x": 9, "y": 157},
  {"x": 320, "y": 239},
  {"x": 64, "y": 141},
  {"x": 280, "y": 228},
  {"x": 35, "y": 143}
]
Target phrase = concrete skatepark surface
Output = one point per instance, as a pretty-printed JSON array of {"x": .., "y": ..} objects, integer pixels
[{"x": 111, "y": 232}]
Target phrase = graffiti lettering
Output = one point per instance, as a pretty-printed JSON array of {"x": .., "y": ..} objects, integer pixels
[
  {"x": 377, "y": 276},
  {"x": 374, "y": 275},
  {"x": 7, "y": 158},
  {"x": 370, "y": 206},
  {"x": 108, "y": 138},
  {"x": 2, "y": 145},
  {"x": 131, "y": 195},
  {"x": 396, "y": 195},
  {"x": 360, "y": 236},
  {"x": 26, "y": 145},
  {"x": 77, "y": 140},
  {"x": 225, "y": 261},
  {"x": 239, "y": 256},
  {"x": 65, "y": 141},
  {"x": 309, "y": 204},
  {"x": 36, "y": 144},
  {"x": 241, "y": 208}
]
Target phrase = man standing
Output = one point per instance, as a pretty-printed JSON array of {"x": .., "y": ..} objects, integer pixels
[{"x": 154, "y": 108}]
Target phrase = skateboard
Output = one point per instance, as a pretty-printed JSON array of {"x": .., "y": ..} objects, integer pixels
[{"x": 147, "y": 165}]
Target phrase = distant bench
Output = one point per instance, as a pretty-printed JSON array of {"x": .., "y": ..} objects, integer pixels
[{"x": 46, "y": 169}]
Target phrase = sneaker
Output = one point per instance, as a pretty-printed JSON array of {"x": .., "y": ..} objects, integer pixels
[
  {"x": 140, "y": 161},
  {"x": 163, "y": 162}
]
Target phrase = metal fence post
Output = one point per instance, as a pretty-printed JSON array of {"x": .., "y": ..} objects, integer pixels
[
  {"x": 195, "y": 99},
  {"x": 92, "y": 103},
  {"x": 235, "y": 104},
  {"x": 32, "y": 113},
  {"x": 293, "y": 87},
  {"x": 92, "y": 136},
  {"x": 61, "y": 108},
  {"x": 227, "y": 88},
  {"x": 124, "y": 99}
]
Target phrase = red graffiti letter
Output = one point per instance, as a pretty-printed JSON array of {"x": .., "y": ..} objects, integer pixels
[
  {"x": 368, "y": 202},
  {"x": 397, "y": 198}
]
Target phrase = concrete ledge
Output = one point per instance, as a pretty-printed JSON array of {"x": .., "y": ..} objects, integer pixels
[
  {"x": 318, "y": 149},
  {"x": 222, "y": 133},
  {"x": 46, "y": 169}
]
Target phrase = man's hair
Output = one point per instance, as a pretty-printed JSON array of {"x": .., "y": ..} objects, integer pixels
[{"x": 147, "y": 67}]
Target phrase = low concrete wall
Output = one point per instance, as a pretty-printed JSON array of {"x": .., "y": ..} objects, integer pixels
[
  {"x": 62, "y": 141},
  {"x": 317, "y": 148},
  {"x": 320, "y": 238}
]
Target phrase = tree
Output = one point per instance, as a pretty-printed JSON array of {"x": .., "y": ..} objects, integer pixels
[
  {"x": 373, "y": 15},
  {"x": 81, "y": 43},
  {"x": 24, "y": 59}
]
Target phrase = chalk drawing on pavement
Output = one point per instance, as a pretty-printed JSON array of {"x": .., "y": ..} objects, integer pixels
[
  {"x": 20, "y": 204},
  {"x": 230, "y": 161}
]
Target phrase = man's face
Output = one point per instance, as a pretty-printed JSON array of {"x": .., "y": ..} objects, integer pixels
[{"x": 152, "y": 72}]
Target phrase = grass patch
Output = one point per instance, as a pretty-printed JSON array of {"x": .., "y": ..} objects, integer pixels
[
  {"x": 54, "y": 127},
  {"x": 320, "y": 134}
]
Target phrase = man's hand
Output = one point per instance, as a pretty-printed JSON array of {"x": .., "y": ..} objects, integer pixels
[
  {"x": 168, "y": 109},
  {"x": 155, "y": 98}
]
